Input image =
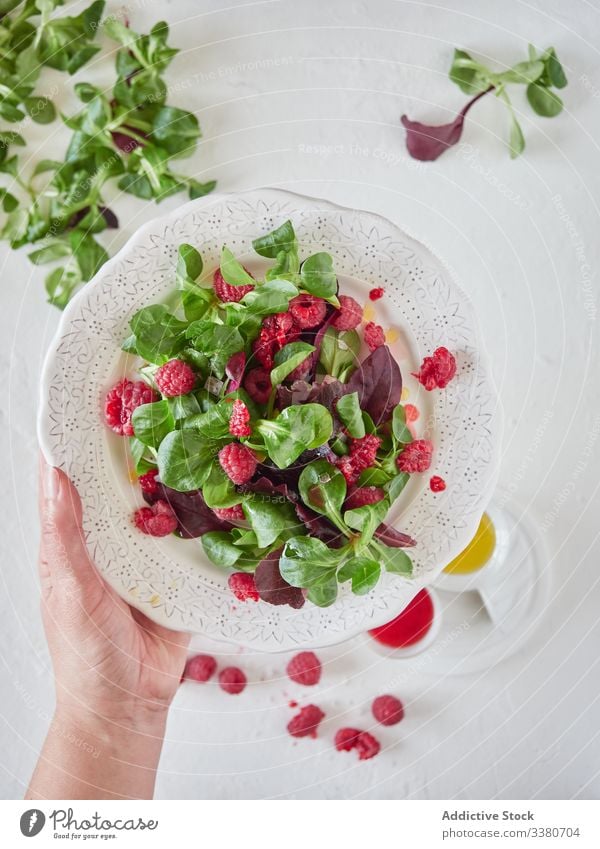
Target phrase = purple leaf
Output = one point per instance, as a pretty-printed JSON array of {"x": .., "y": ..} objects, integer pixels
[
  {"x": 379, "y": 384},
  {"x": 271, "y": 587},
  {"x": 390, "y": 536},
  {"x": 427, "y": 142},
  {"x": 194, "y": 517},
  {"x": 235, "y": 370},
  {"x": 124, "y": 142},
  {"x": 112, "y": 222}
]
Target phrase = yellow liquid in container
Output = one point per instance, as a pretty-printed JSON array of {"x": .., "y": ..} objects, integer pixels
[{"x": 478, "y": 551}]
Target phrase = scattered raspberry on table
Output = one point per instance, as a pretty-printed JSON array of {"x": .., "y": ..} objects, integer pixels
[
  {"x": 200, "y": 668},
  {"x": 367, "y": 746},
  {"x": 346, "y": 738},
  {"x": 306, "y": 723},
  {"x": 387, "y": 710},
  {"x": 232, "y": 680},
  {"x": 305, "y": 668}
]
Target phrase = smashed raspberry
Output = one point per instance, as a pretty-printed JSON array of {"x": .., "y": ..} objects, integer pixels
[
  {"x": 232, "y": 680},
  {"x": 437, "y": 371},
  {"x": 308, "y": 311},
  {"x": 239, "y": 418},
  {"x": 122, "y": 400},
  {"x": 412, "y": 414},
  {"x": 363, "y": 451},
  {"x": 156, "y": 521},
  {"x": 148, "y": 482},
  {"x": 304, "y": 668},
  {"x": 346, "y": 739},
  {"x": 376, "y": 294},
  {"x": 367, "y": 746},
  {"x": 276, "y": 331},
  {"x": 243, "y": 587},
  {"x": 238, "y": 462},
  {"x": 349, "y": 315},
  {"x": 416, "y": 456},
  {"x": 388, "y": 710},
  {"x": 437, "y": 484},
  {"x": 345, "y": 466},
  {"x": 364, "y": 495},
  {"x": 257, "y": 384},
  {"x": 230, "y": 514},
  {"x": 225, "y": 292},
  {"x": 175, "y": 378},
  {"x": 200, "y": 668},
  {"x": 374, "y": 335},
  {"x": 305, "y": 723}
]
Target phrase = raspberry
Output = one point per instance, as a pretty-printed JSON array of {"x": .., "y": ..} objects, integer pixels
[
  {"x": 437, "y": 484},
  {"x": 308, "y": 311},
  {"x": 122, "y": 400},
  {"x": 257, "y": 384},
  {"x": 363, "y": 452},
  {"x": 276, "y": 331},
  {"x": 388, "y": 710},
  {"x": 367, "y": 746},
  {"x": 243, "y": 587},
  {"x": 437, "y": 371},
  {"x": 349, "y": 315},
  {"x": 416, "y": 456},
  {"x": 232, "y": 680},
  {"x": 230, "y": 514},
  {"x": 364, "y": 495},
  {"x": 200, "y": 668},
  {"x": 305, "y": 668},
  {"x": 346, "y": 739},
  {"x": 305, "y": 723},
  {"x": 374, "y": 335},
  {"x": 238, "y": 462},
  {"x": 148, "y": 482},
  {"x": 238, "y": 421},
  {"x": 175, "y": 378},
  {"x": 156, "y": 521},
  {"x": 412, "y": 414},
  {"x": 376, "y": 294},
  {"x": 345, "y": 466},
  {"x": 225, "y": 292}
]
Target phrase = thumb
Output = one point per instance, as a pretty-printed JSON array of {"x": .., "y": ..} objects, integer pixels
[{"x": 64, "y": 559}]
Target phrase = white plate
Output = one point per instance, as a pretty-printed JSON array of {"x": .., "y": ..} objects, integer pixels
[{"x": 170, "y": 579}]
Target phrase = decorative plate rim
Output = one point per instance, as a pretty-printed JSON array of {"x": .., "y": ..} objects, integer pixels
[{"x": 274, "y": 633}]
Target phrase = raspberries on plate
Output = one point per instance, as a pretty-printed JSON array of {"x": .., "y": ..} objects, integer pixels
[
  {"x": 200, "y": 668},
  {"x": 437, "y": 371},
  {"x": 364, "y": 495},
  {"x": 238, "y": 462},
  {"x": 257, "y": 384},
  {"x": 243, "y": 587},
  {"x": 346, "y": 739},
  {"x": 308, "y": 311},
  {"x": 374, "y": 335},
  {"x": 122, "y": 400},
  {"x": 276, "y": 331},
  {"x": 148, "y": 482},
  {"x": 305, "y": 723},
  {"x": 365, "y": 744},
  {"x": 376, "y": 294},
  {"x": 238, "y": 421},
  {"x": 230, "y": 514},
  {"x": 156, "y": 521},
  {"x": 175, "y": 378},
  {"x": 437, "y": 484},
  {"x": 412, "y": 414},
  {"x": 305, "y": 668},
  {"x": 232, "y": 680},
  {"x": 388, "y": 710},
  {"x": 362, "y": 454},
  {"x": 416, "y": 456},
  {"x": 227, "y": 293},
  {"x": 349, "y": 315}
]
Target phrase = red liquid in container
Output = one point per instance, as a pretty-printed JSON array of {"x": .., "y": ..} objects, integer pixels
[{"x": 410, "y": 627}]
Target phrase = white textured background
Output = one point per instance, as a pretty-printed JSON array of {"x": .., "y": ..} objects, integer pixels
[{"x": 307, "y": 96}]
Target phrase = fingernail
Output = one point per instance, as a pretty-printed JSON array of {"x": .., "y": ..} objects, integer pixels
[{"x": 51, "y": 483}]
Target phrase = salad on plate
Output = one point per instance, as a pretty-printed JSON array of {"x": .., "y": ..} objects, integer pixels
[{"x": 266, "y": 419}]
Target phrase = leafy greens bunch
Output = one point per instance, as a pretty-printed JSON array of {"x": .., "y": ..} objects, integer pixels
[
  {"x": 294, "y": 505},
  {"x": 131, "y": 136},
  {"x": 542, "y": 73}
]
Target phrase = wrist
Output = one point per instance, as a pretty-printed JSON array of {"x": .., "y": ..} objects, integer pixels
[{"x": 104, "y": 723}]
